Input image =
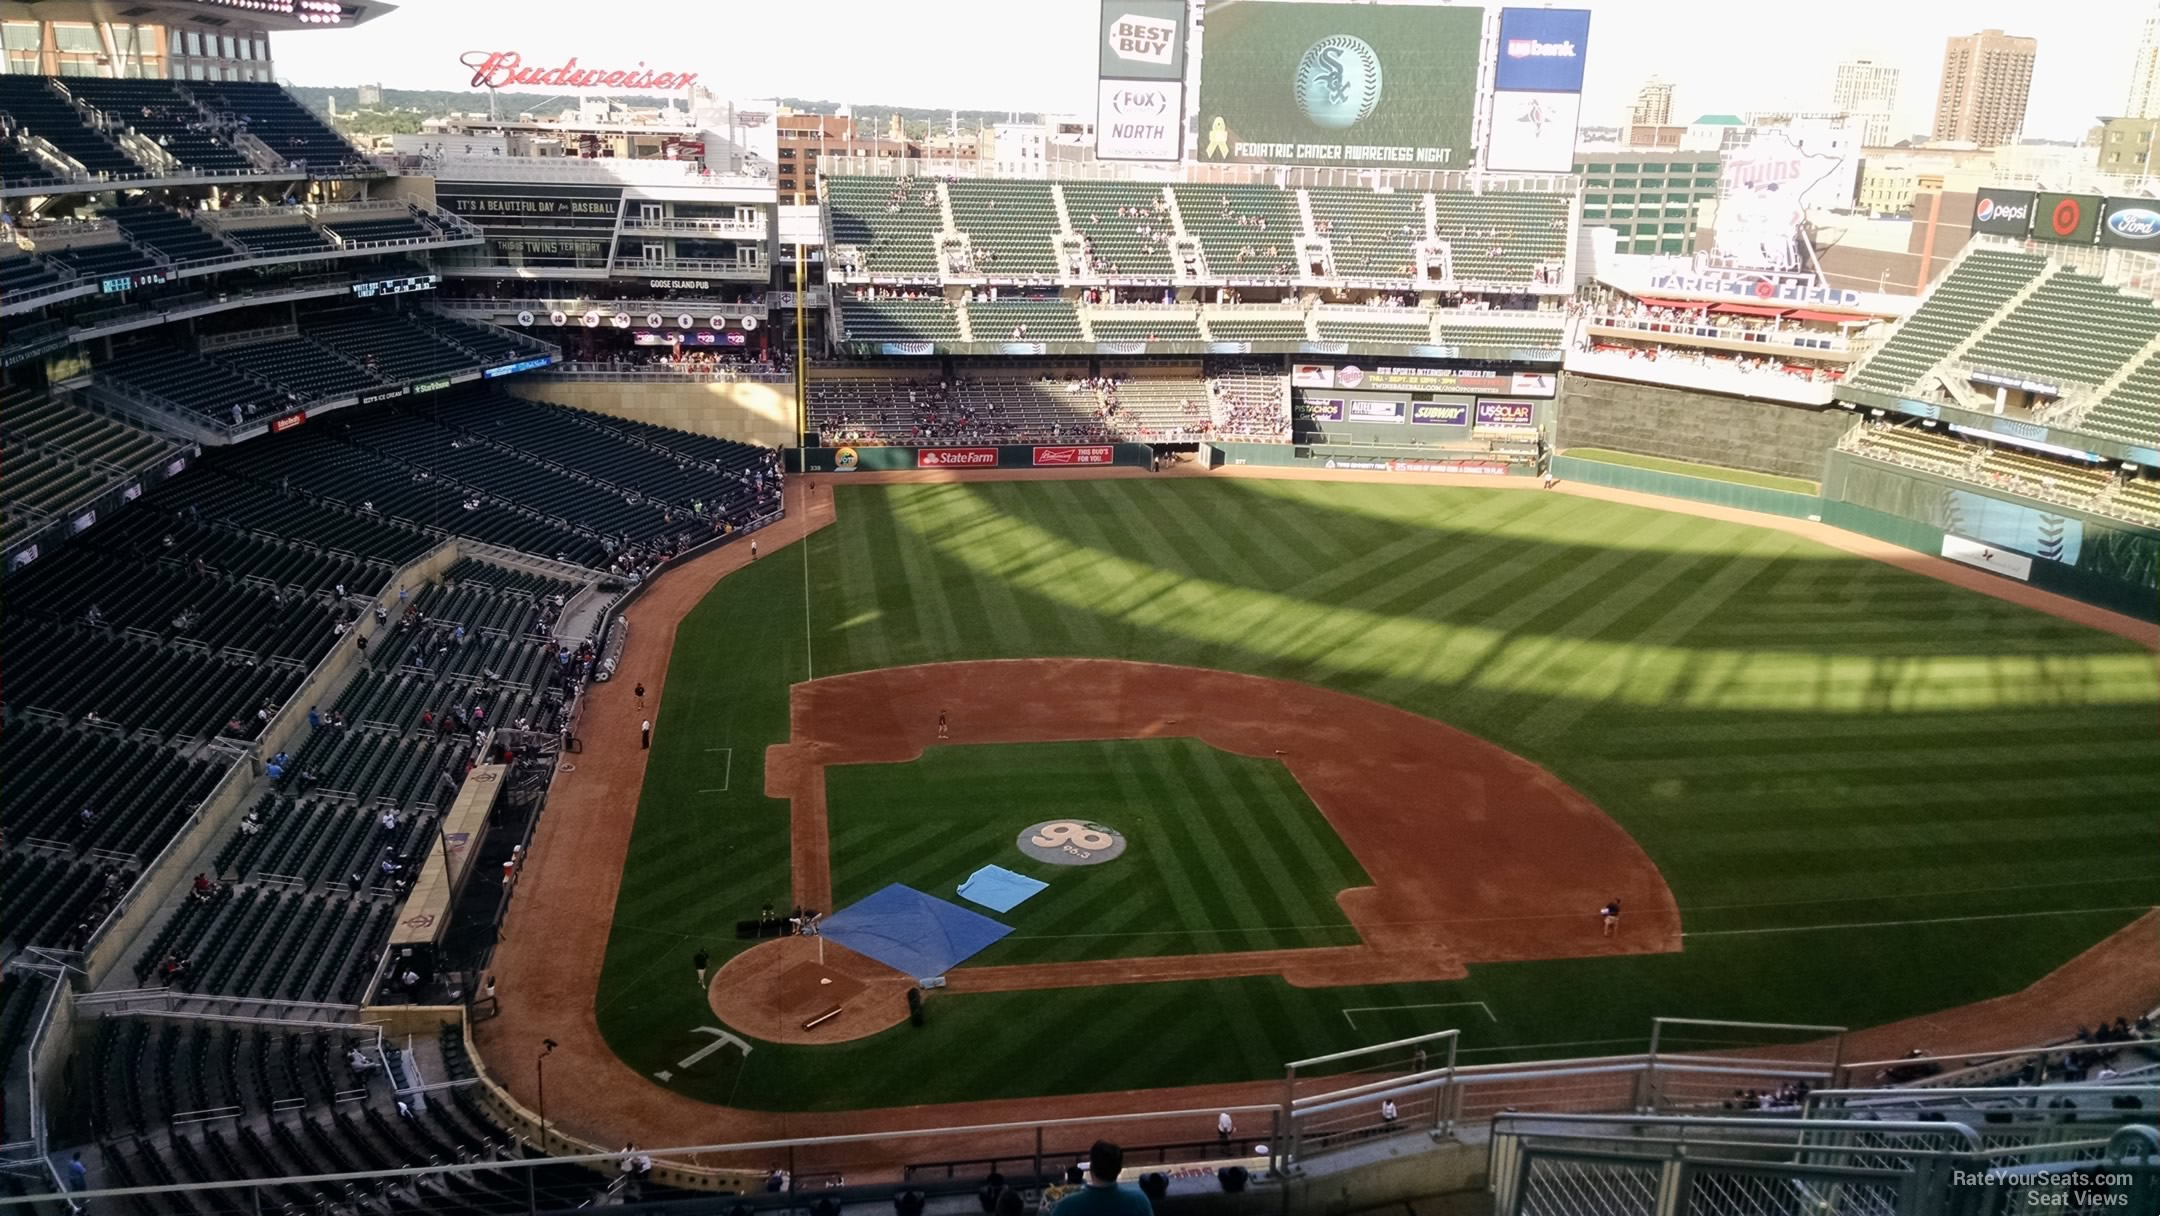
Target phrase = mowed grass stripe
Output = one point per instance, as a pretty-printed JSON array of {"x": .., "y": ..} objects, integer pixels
[
  {"x": 1186, "y": 882},
  {"x": 1236, "y": 893},
  {"x": 1668, "y": 608},
  {"x": 1842, "y": 742}
]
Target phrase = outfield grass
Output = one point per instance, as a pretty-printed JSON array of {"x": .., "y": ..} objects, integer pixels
[
  {"x": 1223, "y": 852},
  {"x": 1688, "y": 468},
  {"x": 1872, "y": 793}
]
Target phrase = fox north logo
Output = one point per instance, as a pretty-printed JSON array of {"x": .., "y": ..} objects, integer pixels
[{"x": 1338, "y": 82}]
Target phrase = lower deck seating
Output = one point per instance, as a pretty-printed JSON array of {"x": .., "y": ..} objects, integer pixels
[{"x": 291, "y": 1103}]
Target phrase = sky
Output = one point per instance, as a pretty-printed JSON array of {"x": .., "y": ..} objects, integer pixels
[{"x": 1723, "y": 56}]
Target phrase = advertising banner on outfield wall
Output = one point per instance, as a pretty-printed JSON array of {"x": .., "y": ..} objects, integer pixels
[
  {"x": 2131, "y": 223},
  {"x": 956, "y": 458},
  {"x": 1987, "y": 557},
  {"x": 2070, "y": 218},
  {"x": 1475, "y": 468},
  {"x": 1140, "y": 120},
  {"x": 1440, "y": 413},
  {"x": 1317, "y": 409},
  {"x": 1513, "y": 414},
  {"x": 2003, "y": 212},
  {"x": 1377, "y": 411},
  {"x": 1142, "y": 40},
  {"x": 1052, "y": 457},
  {"x": 1380, "y": 85},
  {"x": 1415, "y": 379}
]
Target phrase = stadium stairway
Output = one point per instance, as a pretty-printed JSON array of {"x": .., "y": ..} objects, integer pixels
[{"x": 1955, "y": 315}]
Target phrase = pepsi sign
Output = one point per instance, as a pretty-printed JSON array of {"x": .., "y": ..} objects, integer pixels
[
  {"x": 2132, "y": 223},
  {"x": 2004, "y": 212},
  {"x": 1542, "y": 50}
]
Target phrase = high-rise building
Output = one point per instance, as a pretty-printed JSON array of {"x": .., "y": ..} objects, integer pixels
[
  {"x": 2145, "y": 69},
  {"x": 1986, "y": 78},
  {"x": 1653, "y": 104},
  {"x": 1867, "y": 90}
]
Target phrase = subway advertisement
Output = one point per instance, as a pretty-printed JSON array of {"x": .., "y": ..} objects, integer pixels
[{"x": 1379, "y": 85}]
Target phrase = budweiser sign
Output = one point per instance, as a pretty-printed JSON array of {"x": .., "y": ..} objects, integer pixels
[{"x": 501, "y": 69}]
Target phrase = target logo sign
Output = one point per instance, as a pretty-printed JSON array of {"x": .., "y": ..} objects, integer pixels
[
  {"x": 2067, "y": 217},
  {"x": 1072, "y": 842}
]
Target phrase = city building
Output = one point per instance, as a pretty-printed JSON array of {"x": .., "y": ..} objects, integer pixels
[
  {"x": 2128, "y": 147},
  {"x": 1867, "y": 90},
  {"x": 2144, "y": 101},
  {"x": 1653, "y": 104},
  {"x": 1986, "y": 78},
  {"x": 804, "y": 138},
  {"x": 1648, "y": 199}
]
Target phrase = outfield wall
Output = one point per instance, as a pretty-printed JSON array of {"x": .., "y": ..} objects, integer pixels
[
  {"x": 1687, "y": 424},
  {"x": 985, "y": 456},
  {"x": 1788, "y": 503},
  {"x": 2109, "y": 562},
  {"x": 746, "y": 411}
]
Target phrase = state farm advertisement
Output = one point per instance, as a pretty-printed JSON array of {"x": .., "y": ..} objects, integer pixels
[
  {"x": 955, "y": 458},
  {"x": 1099, "y": 454}
]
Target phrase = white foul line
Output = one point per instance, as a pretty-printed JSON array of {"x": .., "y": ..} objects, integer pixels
[
  {"x": 721, "y": 1038},
  {"x": 809, "y": 661},
  {"x": 1391, "y": 1008},
  {"x": 1933, "y": 920},
  {"x": 727, "y": 773}
]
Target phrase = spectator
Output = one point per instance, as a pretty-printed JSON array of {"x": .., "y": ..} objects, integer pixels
[{"x": 1102, "y": 1196}]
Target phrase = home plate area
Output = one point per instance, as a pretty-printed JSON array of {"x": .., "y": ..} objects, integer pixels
[{"x": 850, "y": 979}]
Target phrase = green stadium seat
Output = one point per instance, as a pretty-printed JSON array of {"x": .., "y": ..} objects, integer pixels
[
  {"x": 893, "y": 223},
  {"x": 1113, "y": 240},
  {"x": 1244, "y": 231},
  {"x": 1373, "y": 234},
  {"x": 1012, "y": 226}
]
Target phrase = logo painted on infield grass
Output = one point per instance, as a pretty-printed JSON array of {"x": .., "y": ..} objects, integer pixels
[{"x": 1072, "y": 842}]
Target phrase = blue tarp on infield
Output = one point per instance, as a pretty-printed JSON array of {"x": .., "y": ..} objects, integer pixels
[
  {"x": 999, "y": 889},
  {"x": 913, "y": 933}
]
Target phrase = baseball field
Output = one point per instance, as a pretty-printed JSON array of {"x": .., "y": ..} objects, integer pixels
[{"x": 1839, "y": 792}]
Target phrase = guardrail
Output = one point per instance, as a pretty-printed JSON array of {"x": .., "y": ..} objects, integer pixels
[
  {"x": 1680, "y": 328},
  {"x": 1717, "y": 377},
  {"x": 664, "y": 374}
]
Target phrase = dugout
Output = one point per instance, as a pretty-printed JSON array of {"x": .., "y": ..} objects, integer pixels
[{"x": 416, "y": 938}]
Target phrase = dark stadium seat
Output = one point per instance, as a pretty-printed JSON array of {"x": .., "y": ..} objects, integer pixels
[
  {"x": 39, "y": 110},
  {"x": 280, "y": 240},
  {"x": 288, "y": 128},
  {"x": 160, "y": 112},
  {"x": 169, "y": 233}
]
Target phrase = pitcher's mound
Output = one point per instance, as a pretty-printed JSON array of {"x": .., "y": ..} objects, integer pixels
[{"x": 773, "y": 990}]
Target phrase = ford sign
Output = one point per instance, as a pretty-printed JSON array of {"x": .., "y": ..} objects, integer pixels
[{"x": 2135, "y": 223}]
